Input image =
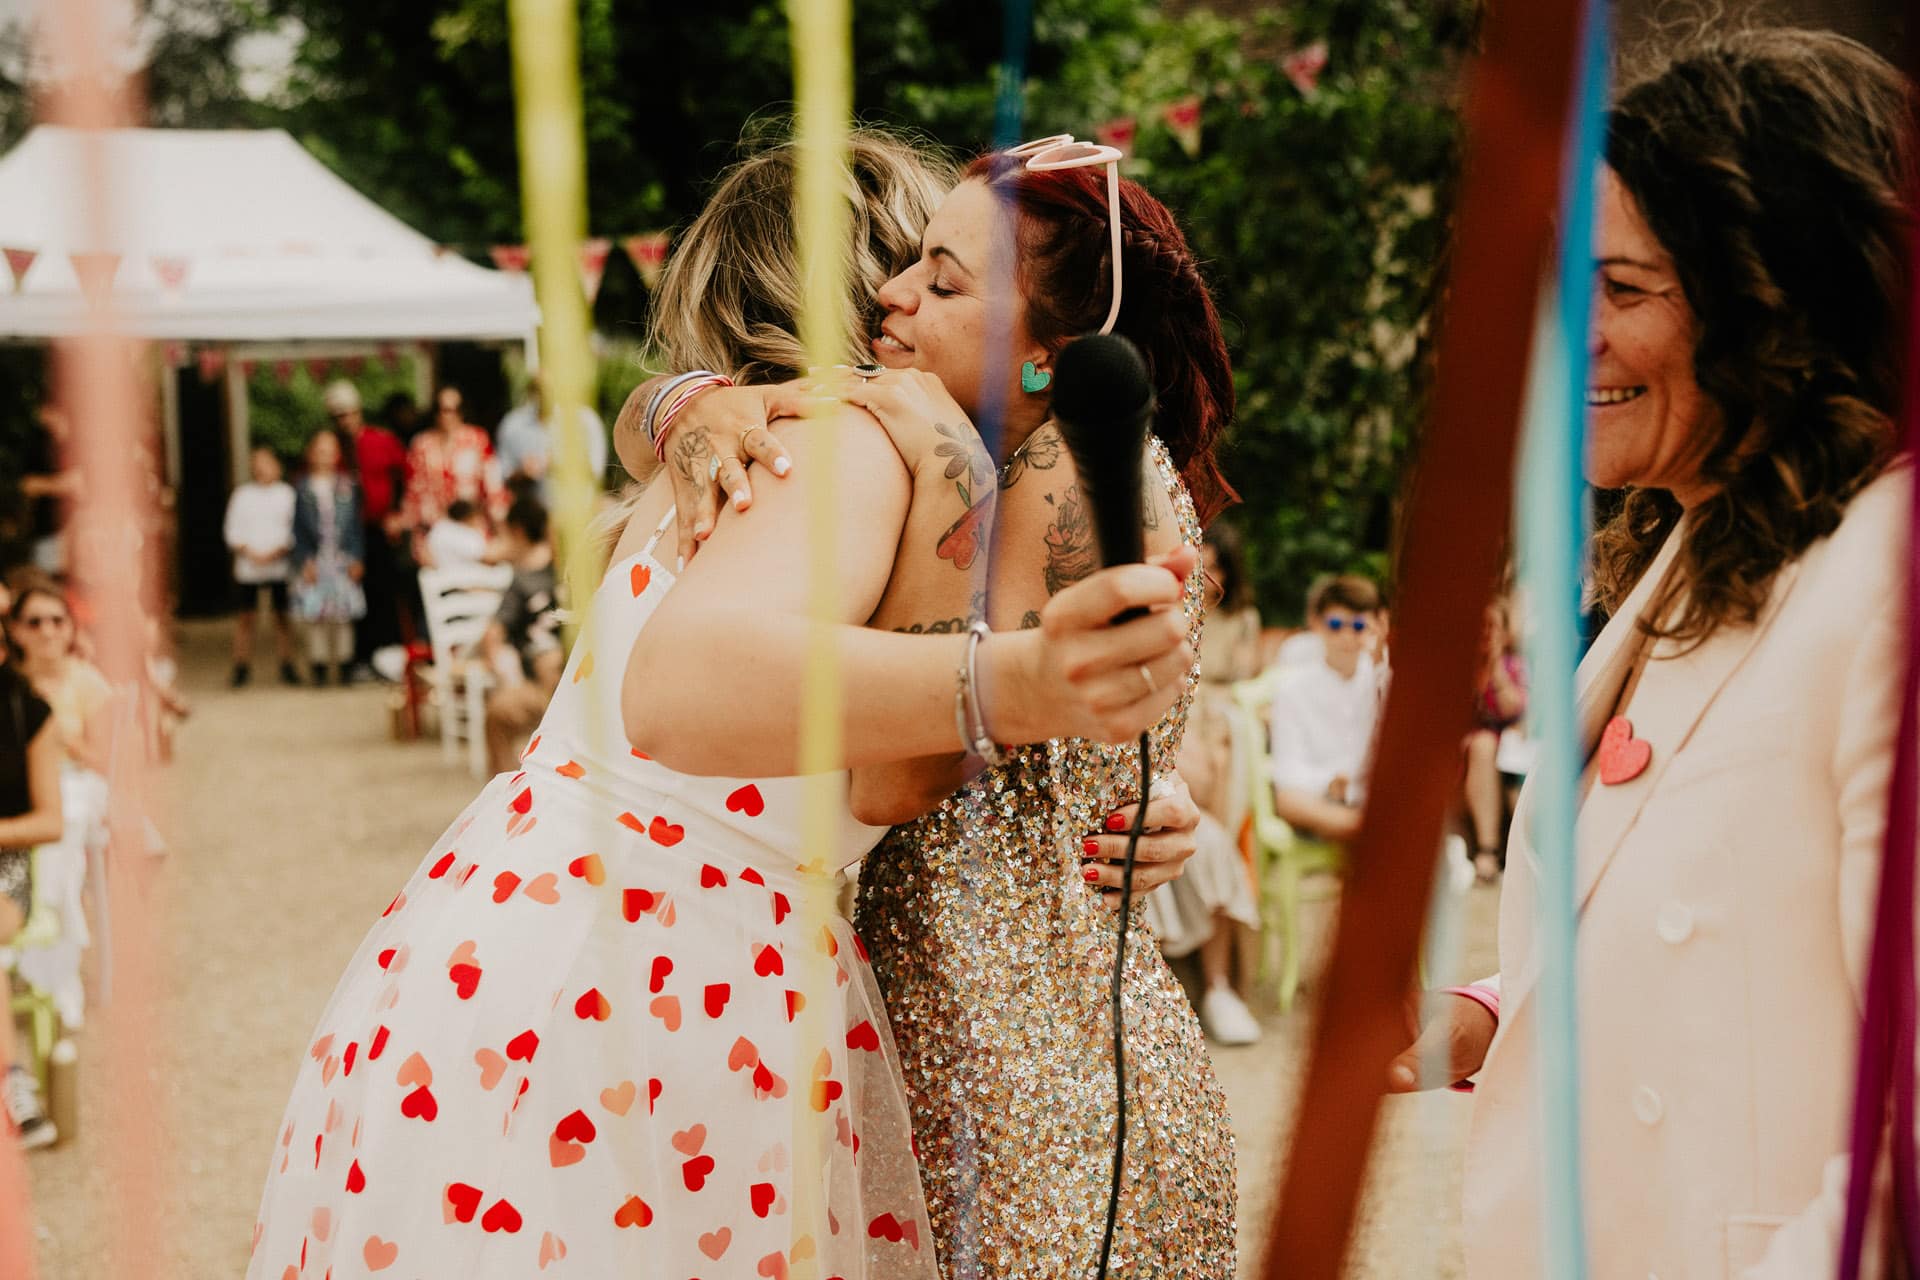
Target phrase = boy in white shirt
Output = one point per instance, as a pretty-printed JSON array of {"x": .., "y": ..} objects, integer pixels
[
  {"x": 458, "y": 539},
  {"x": 1324, "y": 715},
  {"x": 259, "y": 532}
]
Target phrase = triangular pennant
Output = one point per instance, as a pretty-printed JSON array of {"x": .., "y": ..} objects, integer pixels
[
  {"x": 353, "y": 365},
  {"x": 18, "y": 260},
  {"x": 649, "y": 254},
  {"x": 511, "y": 257},
  {"x": 593, "y": 265},
  {"x": 389, "y": 356},
  {"x": 95, "y": 272},
  {"x": 318, "y": 367},
  {"x": 283, "y": 370},
  {"x": 1119, "y": 135},
  {"x": 174, "y": 354},
  {"x": 171, "y": 272},
  {"x": 1183, "y": 118},
  {"x": 211, "y": 361}
]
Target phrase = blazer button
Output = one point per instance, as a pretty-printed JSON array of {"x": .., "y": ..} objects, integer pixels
[
  {"x": 1674, "y": 924},
  {"x": 1648, "y": 1106}
]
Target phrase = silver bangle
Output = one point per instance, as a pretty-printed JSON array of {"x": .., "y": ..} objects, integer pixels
[
  {"x": 660, "y": 397},
  {"x": 967, "y": 708}
]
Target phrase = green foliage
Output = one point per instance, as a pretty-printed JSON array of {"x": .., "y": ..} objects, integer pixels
[{"x": 286, "y": 412}]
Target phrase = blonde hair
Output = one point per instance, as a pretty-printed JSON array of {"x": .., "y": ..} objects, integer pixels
[{"x": 730, "y": 298}]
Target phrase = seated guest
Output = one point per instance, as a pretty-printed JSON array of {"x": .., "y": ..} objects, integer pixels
[
  {"x": 1324, "y": 715},
  {"x": 80, "y": 697},
  {"x": 29, "y": 816},
  {"x": 259, "y": 532},
  {"x": 525, "y": 445},
  {"x": 458, "y": 539},
  {"x": 522, "y": 643}
]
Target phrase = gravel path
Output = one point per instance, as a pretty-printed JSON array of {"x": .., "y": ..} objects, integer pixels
[{"x": 295, "y": 817}]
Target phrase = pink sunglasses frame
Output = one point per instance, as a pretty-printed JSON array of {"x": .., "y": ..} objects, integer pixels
[{"x": 1064, "y": 151}]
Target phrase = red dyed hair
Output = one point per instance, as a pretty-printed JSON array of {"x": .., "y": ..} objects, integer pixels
[{"x": 1166, "y": 309}]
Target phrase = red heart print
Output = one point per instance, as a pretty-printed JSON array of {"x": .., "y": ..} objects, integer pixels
[
  {"x": 571, "y": 769},
  {"x": 504, "y": 884},
  {"x": 466, "y": 978},
  {"x": 662, "y": 966},
  {"x": 752, "y": 876},
  {"x": 468, "y": 873},
  {"x": 593, "y": 1005},
  {"x": 346, "y": 1059},
  {"x": 780, "y": 907},
  {"x": 714, "y": 1243},
  {"x": 634, "y": 1213},
  {"x": 863, "y": 1036},
  {"x": 575, "y": 1127},
  {"x": 543, "y": 888},
  {"x": 909, "y": 1230},
  {"x": 379, "y": 1254},
  {"x": 743, "y": 1054},
  {"x": 635, "y": 903},
  {"x": 320, "y": 1047},
  {"x": 379, "y": 1044},
  {"x": 419, "y": 1105},
  {"x": 653, "y": 1094},
  {"x": 500, "y": 1217},
  {"x": 532, "y": 747},
  {"x": 747, "y": 800},
  {"x": 440, "y": 868},
  {"x": 695, "y": 1172},
  {"x": 711, "y": 877},
  {"x": 561, "y": 1153},
  {"x": 688, "y": 1141},
  {"x": 632, "y": 823},
  {"x": 462, "y": 1202},
  {"x": 761, "y": 1194},
  {"x": 766, "y": 1084},
  {"x": 885, "y": 1227},
  {"x": 523, "y": 802},
  {"x": 717, "y": 996},
  {"x": 638, "y": 578},
  {"x": 768, "y": 963},
  {"x": 1623, "y": 757},
  {"x": 356, "y": 1179},
  {"x": 860, "y": 949},
  {"x": 619, "y": 1098},
  {"x": 667, "y": 1009},
  {"x": 588, "y": 868},
  {"x": 385, "y": 957},
  {"x": 552, "y": 1249},
  {"x": 492, "y": 1067},
  {"x": 638, "y": 754},
  {"x": 399, "y": 900},
  {"x": 414, "y": 1071},
  {"x": 521, "y": 1047},
  {"x": 825, "y": 1092},
  {"x": 773, "y": 1266},
  {"x": 665, "y": 833},
  {"x": 795, "y": 1003}
]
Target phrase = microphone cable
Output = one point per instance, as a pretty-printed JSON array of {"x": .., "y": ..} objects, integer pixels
[{"x": 1119, "y": 1015}]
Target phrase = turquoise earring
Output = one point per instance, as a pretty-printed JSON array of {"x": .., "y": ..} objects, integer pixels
[{"x": 1033, "y": 380}]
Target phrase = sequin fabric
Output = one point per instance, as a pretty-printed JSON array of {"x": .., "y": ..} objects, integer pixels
[{"x": 996, "y": 961}]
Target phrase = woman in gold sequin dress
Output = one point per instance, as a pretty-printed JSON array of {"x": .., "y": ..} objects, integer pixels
[{"x": 987, "y": 911}]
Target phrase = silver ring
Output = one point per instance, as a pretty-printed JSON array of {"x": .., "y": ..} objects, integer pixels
[
  {"x": 713, "y": 468},
  {"x": 1152, "y": 685},
  {"x": 869, "y": 372}
]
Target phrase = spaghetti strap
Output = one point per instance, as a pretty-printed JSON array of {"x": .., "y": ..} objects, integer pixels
[{"x": 659, "y": 531}]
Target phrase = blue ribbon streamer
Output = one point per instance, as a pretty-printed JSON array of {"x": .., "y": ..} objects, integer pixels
[{"x": 1553, "y": 534}]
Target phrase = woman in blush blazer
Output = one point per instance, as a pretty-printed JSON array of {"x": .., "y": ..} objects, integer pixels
[{"x": 1738, "y": 712}]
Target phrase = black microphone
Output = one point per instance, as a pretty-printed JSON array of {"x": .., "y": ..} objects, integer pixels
[{"x": 1103, "y": 403}]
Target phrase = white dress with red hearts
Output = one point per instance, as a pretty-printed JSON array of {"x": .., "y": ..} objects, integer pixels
[{"x": 609, "y": 1028}]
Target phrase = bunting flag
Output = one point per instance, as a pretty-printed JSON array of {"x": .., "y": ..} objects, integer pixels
[
  {"x": 171, "y": 271},
  {"x": 389, "y": 356},
  {"x": 511, "y": 257},
  {"x": 649, "y": 255},
  {"x": 174, "y": 354},
  {"x": 1183, "y": 117},
  {"x": 353, "y": 365},
  {"x": 18, "y": 261},
  {"x": 593, "y": 265},
  {"x": 318, "y": 367},
  {"x": 283, "y": 370},
  {"x": 212, "y": 360},
  {"x": 1118, "y": 134},
  {"x": 95, "y": 272},
  {"x": 1303, "y": 67}
]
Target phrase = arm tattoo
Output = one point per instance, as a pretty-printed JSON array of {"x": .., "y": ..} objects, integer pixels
[
  {"x": 1041, "y": 452},
  {"x": 690, "y": 452},
  {"x": 1029, "y": 620},
  {"x": 1150, "y": 511},
  {"x": 1071, "y": 554},
  {"x": 944, "y": 627}
]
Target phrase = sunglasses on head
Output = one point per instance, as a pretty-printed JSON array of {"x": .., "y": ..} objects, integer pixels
[
  {"x": 1337, "y": 625},
  {"x": 1063, "y": 151}
]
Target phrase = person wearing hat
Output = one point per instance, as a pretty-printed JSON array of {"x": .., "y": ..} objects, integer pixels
[{"x": 379, "y": 463}]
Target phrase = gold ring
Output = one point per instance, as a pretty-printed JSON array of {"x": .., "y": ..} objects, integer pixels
[{"x": 1152, "y": 685}]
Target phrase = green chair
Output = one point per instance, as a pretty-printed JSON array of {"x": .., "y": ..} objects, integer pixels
[
  {"x": 36, "y": 1006},
  {"x": 1284, "y": 857}
]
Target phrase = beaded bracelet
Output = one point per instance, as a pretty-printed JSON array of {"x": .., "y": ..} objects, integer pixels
[
  {"x": 967, "y": 714},
  {"x": 659, "y": 398},
  {"x": 1488, "y": 999},
  {"x": 680, "y": 401}
]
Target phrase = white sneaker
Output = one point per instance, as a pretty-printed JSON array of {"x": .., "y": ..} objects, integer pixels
[
  {"x": 22, "y": 1096},
  {"x": 1226, "y": 1017}
]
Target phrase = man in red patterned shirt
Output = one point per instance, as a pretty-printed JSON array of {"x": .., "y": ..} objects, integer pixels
[{"x": 379, "y": 463}]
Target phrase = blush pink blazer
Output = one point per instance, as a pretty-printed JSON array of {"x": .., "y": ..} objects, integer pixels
[{"x": 1726, "y": 902}]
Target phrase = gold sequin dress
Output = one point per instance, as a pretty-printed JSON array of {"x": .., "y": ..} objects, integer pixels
[{"x": 996, "y": 961}]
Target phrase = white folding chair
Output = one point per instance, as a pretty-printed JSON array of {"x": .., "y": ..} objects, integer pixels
[{"x": 459, "y": 604}]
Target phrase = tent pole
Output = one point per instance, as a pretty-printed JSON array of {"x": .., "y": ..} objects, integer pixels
[
  {"x": 239, "y": 429},
  {"x": 170, "y": 419}
]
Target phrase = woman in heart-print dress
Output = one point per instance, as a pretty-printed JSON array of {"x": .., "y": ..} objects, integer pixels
[{"x": 612, "y": 1025}]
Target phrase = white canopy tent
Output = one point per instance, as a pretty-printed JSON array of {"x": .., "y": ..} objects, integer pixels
[{"x": 237, "y": 237}]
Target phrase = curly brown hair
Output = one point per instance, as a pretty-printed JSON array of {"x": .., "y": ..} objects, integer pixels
[{"x": 1775, "y": 167}]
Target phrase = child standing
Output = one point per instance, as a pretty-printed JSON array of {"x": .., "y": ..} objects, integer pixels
[
  {"x": 259, "y": 532},
  {"x": 328, "y": 558}
]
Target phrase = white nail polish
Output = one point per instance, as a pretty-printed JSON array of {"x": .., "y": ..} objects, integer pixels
[
  {"x": 680, "y": 565},
  {"x": 740, "y": 500},
  {"x": 781, "y": 466}
]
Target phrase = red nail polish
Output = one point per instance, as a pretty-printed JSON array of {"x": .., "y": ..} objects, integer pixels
[
  {"x": 1091, "y": 848},
  {"x": 1091, "y": 874},
  {"x": 1116, "y": 823}
]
